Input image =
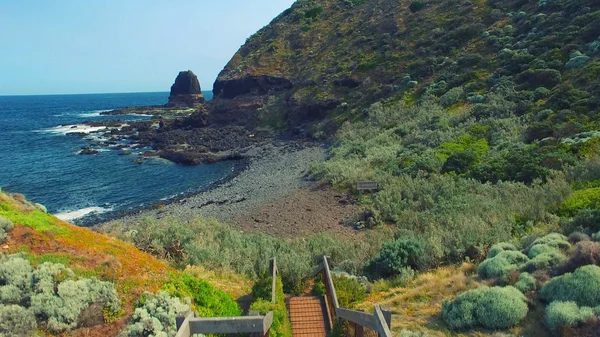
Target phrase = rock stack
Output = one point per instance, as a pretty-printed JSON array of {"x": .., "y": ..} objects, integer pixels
[{"x": 186, "y": 91}]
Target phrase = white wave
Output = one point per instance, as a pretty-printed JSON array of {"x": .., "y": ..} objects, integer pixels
[
  {"x": 80, "y": 213},
  {"x": 64, "y": 129}
]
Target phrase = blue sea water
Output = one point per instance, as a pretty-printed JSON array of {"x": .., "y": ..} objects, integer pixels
[{"x": 38, "y": 160}]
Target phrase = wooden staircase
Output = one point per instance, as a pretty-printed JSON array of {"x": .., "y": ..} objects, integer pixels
[{"x": 308, "y": 317}]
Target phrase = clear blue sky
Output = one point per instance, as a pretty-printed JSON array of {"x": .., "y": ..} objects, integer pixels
[{"x": 99, "y": 46}]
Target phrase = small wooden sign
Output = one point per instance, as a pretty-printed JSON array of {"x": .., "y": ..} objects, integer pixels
[{"x": 367, "y": 186}]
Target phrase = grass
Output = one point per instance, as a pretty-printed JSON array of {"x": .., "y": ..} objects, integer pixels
[{"x": 419, "y": 303}]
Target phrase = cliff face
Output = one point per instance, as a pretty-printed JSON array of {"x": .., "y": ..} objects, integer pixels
[{"x": 323, "y": 61}]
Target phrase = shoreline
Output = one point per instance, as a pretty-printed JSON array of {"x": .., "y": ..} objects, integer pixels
[
  {"x": 96, "y": 220},
  {"x": 267, "y": 173}
]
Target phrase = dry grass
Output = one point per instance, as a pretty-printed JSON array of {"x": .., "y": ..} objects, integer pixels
[
  {"x": 418, "y": 305},
  {"x": 234, "y": 284}
]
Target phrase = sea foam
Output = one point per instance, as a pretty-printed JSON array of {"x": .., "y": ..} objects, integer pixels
[
  {"x": 79, "y": 128},
  {"x": 80, "y": 213}
]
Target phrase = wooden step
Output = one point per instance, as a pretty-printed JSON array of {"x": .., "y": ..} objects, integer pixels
[{"x": 308, "y": 317}]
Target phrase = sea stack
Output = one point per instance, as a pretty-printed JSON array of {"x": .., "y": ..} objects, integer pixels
[{"x": 186, "y": 91}]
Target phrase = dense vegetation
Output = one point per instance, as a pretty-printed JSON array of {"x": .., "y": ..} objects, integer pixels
[{"x": 262, "y": 292}]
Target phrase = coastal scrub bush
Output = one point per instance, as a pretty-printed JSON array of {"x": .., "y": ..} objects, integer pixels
[
  {"x": 16, "y": 321},
  {"x": 493, "y": 308},
  {"x": 349, "y": 291},
  {"x": 397, "y": 255},
  {"x": 581, "y": 199},
  {"x": 263, "y": 293},
  {"x": 416, "y": 6},
  {"x": 5, "y": 227},
  {"x": 541, "y": 248},
  {"x": 555, "y": 240},
  {"x": 155, "y": 316},
  {"x": 52, "y": 294},
  {"x": 525, "y": 283},
  {"x": 63, "y": 306},
  {"x": 566, "y": 314},
  {"x": 544, "y": 261},
  {"x": 502, "y": 264},
  {"x": 452, "y": 96},
  {"x": 218, "y": 246},
  {"x": 207, "y": 301},
  {"x": 499, "y": 248},
  {"x": 581, "y": 286},
  {"x": 577, "y": 237}
]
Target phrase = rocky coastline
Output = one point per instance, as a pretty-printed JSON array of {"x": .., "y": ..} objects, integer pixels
[{"x": 269, "y": 172}]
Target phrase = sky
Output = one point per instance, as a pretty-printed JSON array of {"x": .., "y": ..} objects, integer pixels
[{"x": 107, "y": 46}]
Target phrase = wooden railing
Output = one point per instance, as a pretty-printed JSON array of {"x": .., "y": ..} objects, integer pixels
[
  {"x": 255, "y": 324},
  {"x": 359, "y": 324}
]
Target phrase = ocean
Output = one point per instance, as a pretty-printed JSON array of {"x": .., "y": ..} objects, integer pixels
[{"x": 39, "y": 160}]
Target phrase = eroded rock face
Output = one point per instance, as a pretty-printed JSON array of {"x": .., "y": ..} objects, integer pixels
[
  {"x": 258, "y": 85},
  {"x": 186, "y": 90}
]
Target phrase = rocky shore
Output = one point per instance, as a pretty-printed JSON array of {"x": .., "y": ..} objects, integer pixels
[{"x": 274, "y": 171}]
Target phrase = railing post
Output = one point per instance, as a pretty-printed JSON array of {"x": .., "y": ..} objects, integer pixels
[
  {"x": 274, "y": 271},
  {"x": 182, "y": 321},
  {"x": 387, "y": 314}
]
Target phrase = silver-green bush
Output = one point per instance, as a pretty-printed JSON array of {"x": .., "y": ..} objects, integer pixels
[
  {"x": 562, "y": 314},
  {"x": 51, "y": 293},
  {"x": 541, "y": 248},
  {"x": 544, "y": 261},
  {"x": 581, "y": 287},
  {"x": 156, "y": 316},
  {"x": 16, "y": 321},
  {"x": 499, "y": 248},
  {"x": 526, "y": 282},
  {"x": 5, "y": 227},
  {"x": 502, "y": 264},
  {"x": 493, "y": 308},
  {"x": 555, "y": 240}
]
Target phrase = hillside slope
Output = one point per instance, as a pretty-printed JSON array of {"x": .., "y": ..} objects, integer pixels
[
  {"x": 326, "y": 60},
  {"x": 42, "y": 238}
]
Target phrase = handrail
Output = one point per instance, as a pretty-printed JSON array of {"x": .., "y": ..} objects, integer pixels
[
  {"x": 274, "y": 272},
  {"x": 188, "y": 326},
  {"x": 380, "y": 321}
]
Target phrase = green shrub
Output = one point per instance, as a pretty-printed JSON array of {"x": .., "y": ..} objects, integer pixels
[
  {"x": 566, "y": 314},
  {"x": 493, "y": 308},
  {"x": 416, "y": 6},
  {"x": 281, "y": 323},
  {"x": 544, "y": 261},
  {"x": 452, "y": 96},
  {"x": 5, "y": 227},
  {"x": 349, "y": 291},
  {"x": 501, "y": 265},
  {"x": 541, "y": 248},
  {"x": 206, "y": 299},
  {"x": 581, "y": 286},
  {"x": 526, "y": 283},
  {"x": 397, "y": 255},
  {"x": 577, "y": 237},
  {"x": 156, "y": 316},
  {"x": 555, "y": 240},
  {"x": 596, "y": 236},
  {"x": 581, "y": 199},
  {"x": 52, "y": 294},
  {"x": 16, "y": 321},
  {"x": 499, "y": 248},
  {"x": 460, "y": 162},
  {"x": 63, "y": 306}
]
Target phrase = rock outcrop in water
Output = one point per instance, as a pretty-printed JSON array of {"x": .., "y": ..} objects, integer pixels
[{"x": 186, "y": 90}]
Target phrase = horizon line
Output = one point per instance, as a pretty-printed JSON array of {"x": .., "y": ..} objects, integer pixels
[{"x": 90, "y": 93}]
